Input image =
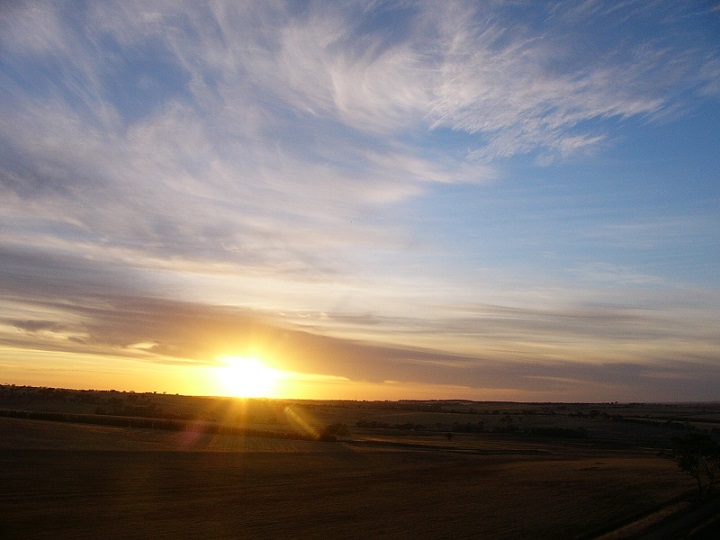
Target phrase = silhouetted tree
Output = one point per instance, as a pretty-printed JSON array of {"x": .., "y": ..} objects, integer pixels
[{"x": 697, "y": 455}]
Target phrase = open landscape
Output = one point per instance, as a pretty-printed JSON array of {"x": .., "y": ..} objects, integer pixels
[
  {"x": 91, "y": 464},
  {"x": 370, "y": 269}
]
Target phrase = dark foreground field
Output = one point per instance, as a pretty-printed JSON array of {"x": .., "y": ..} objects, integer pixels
[{"x": 65, "y": 480}]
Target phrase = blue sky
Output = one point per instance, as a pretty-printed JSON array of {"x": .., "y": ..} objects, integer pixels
[{"x": 495, "y": 200}]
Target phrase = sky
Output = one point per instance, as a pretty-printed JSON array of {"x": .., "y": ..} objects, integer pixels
[{"x": 500, "y": 200}]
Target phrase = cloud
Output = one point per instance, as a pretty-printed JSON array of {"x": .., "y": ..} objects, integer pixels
[
  {"x": 613, "y": 274},
  {"x": 541, "y": 353},
  {"x": 265, "y": 158},
  {"x": 184, "y": 334},
  {"x": 35, "y": 28},
  {"x": 518, "y": 89},
  {"x": 36, "y": 326}
]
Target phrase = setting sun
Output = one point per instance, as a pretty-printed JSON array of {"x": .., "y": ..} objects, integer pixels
[{"x": 247, "y": 377}]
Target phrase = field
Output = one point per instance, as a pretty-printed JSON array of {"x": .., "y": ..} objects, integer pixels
[{"x": 558, "y": 476}]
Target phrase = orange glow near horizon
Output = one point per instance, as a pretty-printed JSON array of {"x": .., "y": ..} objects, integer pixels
[{"x": 230, "y": 376}]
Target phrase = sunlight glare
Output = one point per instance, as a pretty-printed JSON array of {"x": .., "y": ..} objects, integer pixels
[{"x": 248, "y": 378}]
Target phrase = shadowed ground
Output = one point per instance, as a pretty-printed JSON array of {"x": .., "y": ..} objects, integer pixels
[{"x": 71, "y": 481}]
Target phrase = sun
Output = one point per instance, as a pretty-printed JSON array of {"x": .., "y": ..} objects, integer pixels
[{"x": 247, "y": 378}]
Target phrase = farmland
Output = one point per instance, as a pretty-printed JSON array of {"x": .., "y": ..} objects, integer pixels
[{"x": 334, "y": 469}]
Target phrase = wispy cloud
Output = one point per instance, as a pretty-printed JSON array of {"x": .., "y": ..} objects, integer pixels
[
  {"x": 484, "y": 346},
  {"x": 267, "y": 158}
]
